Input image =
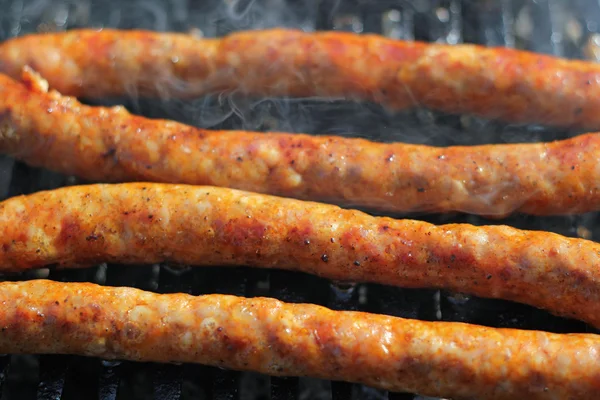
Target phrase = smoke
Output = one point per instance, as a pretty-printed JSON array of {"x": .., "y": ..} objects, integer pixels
[
  {"x": 263, "y": 14},
  {"x": 139, "y": 15},
  {"x": 442, "y": 23}
]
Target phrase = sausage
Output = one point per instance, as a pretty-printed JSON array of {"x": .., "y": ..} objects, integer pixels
[
  {"x": 146, "y": 223},
  {"x": 266, "y": 335},
  {"x": 512, "y": 85},
  {"x": 110, "y": 145}
]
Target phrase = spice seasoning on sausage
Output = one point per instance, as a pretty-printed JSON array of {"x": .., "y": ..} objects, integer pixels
[
  {"x": 513, "y": 85},
  {"x": 84, "y": 225},
  {"x": 266, "y": 335},
  {"x": 110, "y": 145}
]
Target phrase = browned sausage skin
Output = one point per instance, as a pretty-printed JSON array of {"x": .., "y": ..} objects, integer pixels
[
  {"x": 150, "y": 223},
  {"x": 433, "y": 358},
  {"x": 501, "y": 83},
  {"x": 111, "y": 145}
]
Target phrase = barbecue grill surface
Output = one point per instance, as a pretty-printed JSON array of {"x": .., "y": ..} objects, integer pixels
[{"x": 548, "y": 26}]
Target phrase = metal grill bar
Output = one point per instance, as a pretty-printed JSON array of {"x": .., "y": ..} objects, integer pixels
[
  {"x": 489, "y": 23},
  {"x": 544, "y": 36},
  {"x": 54, "y": 370},
  {"x": 108, "y": 382},
  {"x": 6, "y": 167},
  {"x": 588, "y": 14},
  {"x": 52, "y": 377},
  {"x": 168, "y": 379},
  {"x": 343, "y": 296},
  {"x": 234, "y": 281},
  {"x": 4, "y": 370},
  {"x": 284, "y": 388}
]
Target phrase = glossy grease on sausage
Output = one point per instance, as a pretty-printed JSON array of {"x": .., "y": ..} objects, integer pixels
[
  {"x": 111, "y": 145},
  {"x": 144, "y": 223},
  {"x": 513, "y": 85},
  {"x": 266, "y": 335}
]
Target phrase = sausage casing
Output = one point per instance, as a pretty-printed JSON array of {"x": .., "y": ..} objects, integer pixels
[
  {"x": 111, "y": 145},
  {"x": 261, "y": 334},
  {"x": 145, "y": 223},
  {"x": 513, "y": 85}
]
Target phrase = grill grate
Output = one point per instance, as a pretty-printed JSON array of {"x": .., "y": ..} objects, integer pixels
[{"x": 503, "y": 22}]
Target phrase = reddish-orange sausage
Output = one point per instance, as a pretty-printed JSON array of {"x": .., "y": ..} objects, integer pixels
[
  {"x": 149, "y": 223},
  {"x": 109, "y": 144},
  {"x": 433, "y": 358},
  {"x": 491, "y": 82}
]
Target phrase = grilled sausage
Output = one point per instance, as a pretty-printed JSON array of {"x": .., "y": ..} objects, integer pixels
[
  {"x": 501, "y": 83},
  {"x": 266, "y": 335},
  {"x": 145, "y": 223},
  {"x": 111, "y": 145}
]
